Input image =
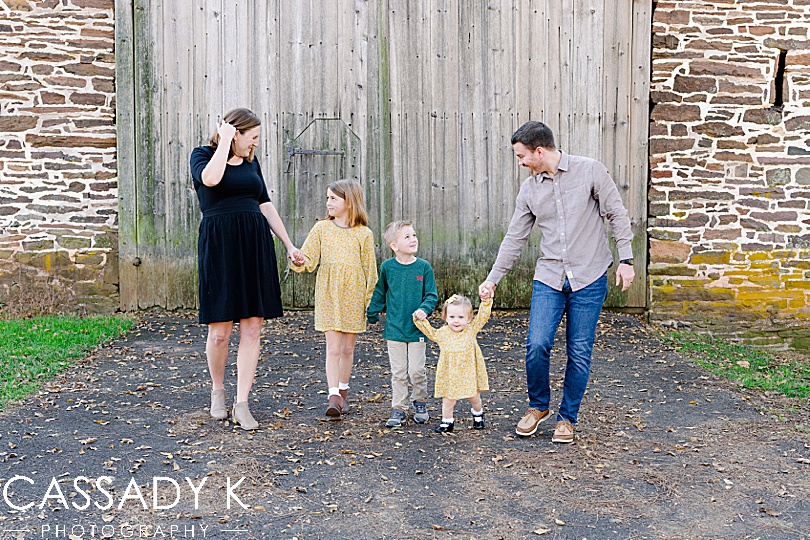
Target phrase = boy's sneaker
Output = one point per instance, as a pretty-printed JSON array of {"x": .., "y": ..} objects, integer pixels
[
  {"x": 420, "y": 414},
  {"x": 397, "y": 418}
]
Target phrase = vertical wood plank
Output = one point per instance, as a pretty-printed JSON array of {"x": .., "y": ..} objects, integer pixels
[
  {"x": 380, "y": 116},
  {"x": 399, "y": 48},
  {"x": 446, "y": 225},
  {"x": 126, "y": 132},
  {"x": 501, "y": 73},
  {"x": 370, "y": 72},
  {"x": 638, "y": 142},
  {"x": 182, "y": 213},
  {"x": 586, "y": 91},
  {"x": 616, "y": 91},
  {"x": 150, "y": 226}
]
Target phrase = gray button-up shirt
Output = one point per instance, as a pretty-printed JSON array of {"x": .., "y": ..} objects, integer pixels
[{"x": 570, "y": 209}]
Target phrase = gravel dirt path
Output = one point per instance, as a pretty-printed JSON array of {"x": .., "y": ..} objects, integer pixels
[{"x": 663, "y": 449}]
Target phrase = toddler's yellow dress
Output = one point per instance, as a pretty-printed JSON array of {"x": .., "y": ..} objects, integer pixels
[
  {"x": 346, "y": 277},
  {"x": 461, "y": 372}
]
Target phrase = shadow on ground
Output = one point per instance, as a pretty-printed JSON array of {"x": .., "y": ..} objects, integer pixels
[{"x": 663, "y": 450}]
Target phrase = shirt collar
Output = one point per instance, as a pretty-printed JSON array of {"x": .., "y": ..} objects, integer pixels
[{"x": 562, "y": 166}]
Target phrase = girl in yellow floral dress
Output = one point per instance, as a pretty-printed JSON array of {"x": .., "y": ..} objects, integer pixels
[
  {"x": 344, "y": 247},
  {"x": 461, "y": 372}
]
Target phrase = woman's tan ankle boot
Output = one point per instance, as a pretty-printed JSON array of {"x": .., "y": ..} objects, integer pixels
[
  {"x": 218, "y": 409},
  {"x": 242, "y": 416}
]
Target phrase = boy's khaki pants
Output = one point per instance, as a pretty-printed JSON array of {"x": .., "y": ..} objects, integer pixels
[{"x": 407, "y": 359}]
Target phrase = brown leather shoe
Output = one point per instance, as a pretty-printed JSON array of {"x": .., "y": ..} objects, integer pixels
[
  {"x": 334, "y": 407},
  {"x": 344, "y": 395},
  {"x": 530, "y": 421},
  {"x": 563, "y": 433}
]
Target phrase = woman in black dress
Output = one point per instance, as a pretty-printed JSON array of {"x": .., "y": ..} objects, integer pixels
[{"x": 236, "y": 256}]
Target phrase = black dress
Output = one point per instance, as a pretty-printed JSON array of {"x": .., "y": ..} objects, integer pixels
[{"x": 236, "y": 258}]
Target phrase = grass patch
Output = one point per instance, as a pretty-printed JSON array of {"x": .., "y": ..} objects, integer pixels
[
  {"x": 750, "y": 367},
  {"x": 34, "y": 350}
]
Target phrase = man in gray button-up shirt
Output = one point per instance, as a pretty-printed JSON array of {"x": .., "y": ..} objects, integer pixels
[{"x": 569, "y": 198}]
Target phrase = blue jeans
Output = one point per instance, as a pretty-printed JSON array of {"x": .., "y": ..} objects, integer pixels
[{"x": 548, "y": 306}]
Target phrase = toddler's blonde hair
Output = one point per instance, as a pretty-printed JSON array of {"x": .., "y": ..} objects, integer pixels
[
  {"x": 392, "y": 230},
  {"x": 457, "y": 300}
]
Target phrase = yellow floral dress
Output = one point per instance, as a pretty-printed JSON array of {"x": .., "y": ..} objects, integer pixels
[
  {"x": 346, "y": 277},
  {"x": 461, "y": 372}
]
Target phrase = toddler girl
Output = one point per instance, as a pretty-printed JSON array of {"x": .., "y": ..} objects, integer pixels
[
  {"x": 344, "y": 247},
  {"x": 461, "y": 372}
]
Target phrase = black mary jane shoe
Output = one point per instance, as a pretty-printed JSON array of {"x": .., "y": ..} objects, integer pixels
[
  {"x": 445, "y": 428},
  {"x": 478, "y": 422}
]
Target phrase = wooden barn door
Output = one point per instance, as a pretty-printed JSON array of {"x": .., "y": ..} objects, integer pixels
[
  {"x": 158, "y": 210},
  {"x": 327, "y": 150},
  {"x": 416, "y": 99},
  {"x": 463, "y": 76}
]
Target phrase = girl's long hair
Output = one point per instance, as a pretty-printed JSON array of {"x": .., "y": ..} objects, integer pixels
[
  {"x": 351, "y": 192},
  {"x": 243, "y": 120}
]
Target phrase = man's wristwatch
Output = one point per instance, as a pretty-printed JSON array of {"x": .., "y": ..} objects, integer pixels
[{"x": 626, "y": 261}]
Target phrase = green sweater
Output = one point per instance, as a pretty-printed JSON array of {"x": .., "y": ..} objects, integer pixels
[{"x": 402, "y": 289}]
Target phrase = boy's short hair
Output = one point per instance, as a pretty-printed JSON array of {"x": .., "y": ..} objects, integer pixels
[
  {"x": 457, "y": 300},
  {"x": 391, "y": 230}
]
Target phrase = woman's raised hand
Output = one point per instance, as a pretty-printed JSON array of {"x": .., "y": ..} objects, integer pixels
[{"x": 226, "y": 131}]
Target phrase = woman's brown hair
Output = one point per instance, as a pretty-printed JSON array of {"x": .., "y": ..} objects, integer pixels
[
  {"x": 351, "y": 192},
  {"x": 243, "y": 120}
]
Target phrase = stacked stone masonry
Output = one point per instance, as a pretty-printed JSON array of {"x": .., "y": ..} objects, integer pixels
[
  {"x": 730, "y": 162},
  {"x": 729, "y": 228},
  {"x": 58, "y": 180}
]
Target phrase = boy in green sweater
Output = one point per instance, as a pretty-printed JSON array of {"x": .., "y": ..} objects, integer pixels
[{"x": 405, "y": 286}]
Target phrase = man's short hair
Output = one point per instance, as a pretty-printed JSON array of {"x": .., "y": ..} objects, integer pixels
[
  {"x": 534, "y": 134},
  {"x": 391, "y": 230}
]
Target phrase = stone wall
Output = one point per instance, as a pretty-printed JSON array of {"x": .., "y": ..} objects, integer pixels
[
  {"x": 730, "y": 168},
  {"x": 730, "y": 163},
  {"x": 58, "y": 181}
]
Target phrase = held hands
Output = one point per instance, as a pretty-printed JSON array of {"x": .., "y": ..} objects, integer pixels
[
  {"x": 226, "y": 131},
  {"x": 624, "y": 275},
  {"x": 419, "y": 315},
  {"x": 295, "y": 255},
  {"x": 486, "y": 290}
]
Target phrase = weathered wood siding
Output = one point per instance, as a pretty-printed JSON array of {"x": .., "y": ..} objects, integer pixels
[{"x": 421, "y": 98}]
